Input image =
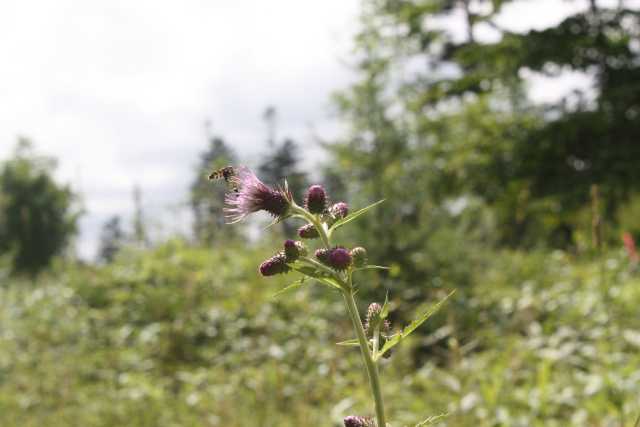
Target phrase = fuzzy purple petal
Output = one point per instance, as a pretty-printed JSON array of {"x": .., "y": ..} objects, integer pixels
[{"x": 253, "y": 196}]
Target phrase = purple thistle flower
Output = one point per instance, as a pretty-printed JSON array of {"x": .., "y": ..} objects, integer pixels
[
  {"x": 277, "y": 264},
  {"x": 340, "y": 258},
  {"x": 339, "y": 210},
  {"x": 308, "y": 232},
  {"x": 253, "y": 195},
  {"x": 356, "y": 421},
  {"x": 316, "y": 199}
]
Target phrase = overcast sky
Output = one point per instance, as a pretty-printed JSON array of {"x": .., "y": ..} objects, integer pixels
[{"x": 119, "y": 91}]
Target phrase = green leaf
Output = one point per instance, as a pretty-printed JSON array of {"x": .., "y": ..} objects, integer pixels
[
  {"x": 298, "y": 283},
  {"x": 319, "y": 275},
  {"x": 353, "y": 216},
  {"x": 431, "y": 420},
  {"x": 316, "y": 274},
  {"x": 308, "y": 271},
  {"x": 395, "y": 339},
  {"x": 349, "y": 343},
  {"x": 371, "y": 267},
  {"x": 385, "y": 307},
  {"x": 332, "y": 283}
]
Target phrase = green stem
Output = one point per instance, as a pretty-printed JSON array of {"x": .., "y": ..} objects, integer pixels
[
  {"x": 347, "y": 293},
  {"x": 316, "y": 223},
  {"x": 370, "y": 364}
]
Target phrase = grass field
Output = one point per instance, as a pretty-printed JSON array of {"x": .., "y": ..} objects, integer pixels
[{"x": 189, "y": 337}]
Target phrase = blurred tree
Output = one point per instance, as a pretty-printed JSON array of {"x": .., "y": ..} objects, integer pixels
[
  {"x": 420, "y": 238},
  {"x": 334, "y": 183},
  {"x": 460, "y": 99},
  {"x": 270, "y": 117},
  {"x": 207, "y": 199},
  {"x": 36, "y": 215},
  {"x": 111, "y": 239},
  {"x": 282, "y": 161},
  {"x": 140, "y": 236}
]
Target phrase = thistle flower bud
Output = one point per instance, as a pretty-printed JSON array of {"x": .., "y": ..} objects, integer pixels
[
  {"x": 373, "y": 316},
  {"x": 356, "y": 421},
  {"x": 323, "y": 255},
  {"x": 308, "y": 232},
  {"x": 277, "y": 264},
  {"x": 316, "y": 199},
  {"x": 339, "y": 210},
  {"x": 359, "y": 256},
  {"x": 294, "y": 250},
  {"x": 339, "y": 258}
]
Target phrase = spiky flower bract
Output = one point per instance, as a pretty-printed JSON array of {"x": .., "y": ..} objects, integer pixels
[
  {"x": 357, "y": 421},
  {"x": 308, "y": 232},
  {"x": 253, "y": 196},
  {"x": 359, "y": 255},
  {"x": 323, "y": 255},
  {"x": 372, "y": 319},
  {"x": 339, "y": 210},
  {"x": 277, "y": 264},
  {"x": 294, "y": 250},
  {"x": 340, "y": 258},
  {"x": 316, "y": 199}
]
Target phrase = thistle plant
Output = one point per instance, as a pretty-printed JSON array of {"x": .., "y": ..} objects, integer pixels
[{"x": 330, "y": 264}]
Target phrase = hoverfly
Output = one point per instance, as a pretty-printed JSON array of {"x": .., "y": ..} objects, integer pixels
[{"x": 226, "y": 173}]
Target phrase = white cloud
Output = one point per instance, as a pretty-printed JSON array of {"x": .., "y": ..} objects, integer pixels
[{"x": 118, "y": 91}]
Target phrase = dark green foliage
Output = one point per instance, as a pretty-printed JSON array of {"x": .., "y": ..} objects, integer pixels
[
  {"x": 193, "y": 337},
  {"x": 111, "y": 239},
  {"x": 460, "y": 128},
  {"x": 207, "y": 198},
  {"x": 283, "y": 161},
  {"x": 140, "y": 235},
  {"x": 36, "y": 213}
]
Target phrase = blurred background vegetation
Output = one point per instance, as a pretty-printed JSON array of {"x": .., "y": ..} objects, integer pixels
[{"x": 519, "y": 206}]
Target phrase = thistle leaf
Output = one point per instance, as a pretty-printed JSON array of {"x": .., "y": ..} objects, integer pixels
[
  {"x": 431, "y": 420},
  {"x": 297, "y": 284},
  {"x": 395, "y": 339},
  {"x": 371, "y": 267},
  {"x": 353, "y": 216},
  {"x": 332, "y": 283},
  {"x": 307, "y": 270},
  {"x": 349, "y": 343},
  {"x": 384, "y": 313}
]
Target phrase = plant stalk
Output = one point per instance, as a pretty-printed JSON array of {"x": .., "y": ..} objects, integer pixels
[
  {"x": 370, "y": 364},
  {"x": 347, "y": 293}
]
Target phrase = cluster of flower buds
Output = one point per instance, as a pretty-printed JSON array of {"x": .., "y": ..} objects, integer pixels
[
  {"x": 337, "y": 258},
  {"x": 279, "y": 263},
  {"x": 357, "y": 421},
  {"x": 340, "y": 258},
  {"x": 253, "y": 195}
]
